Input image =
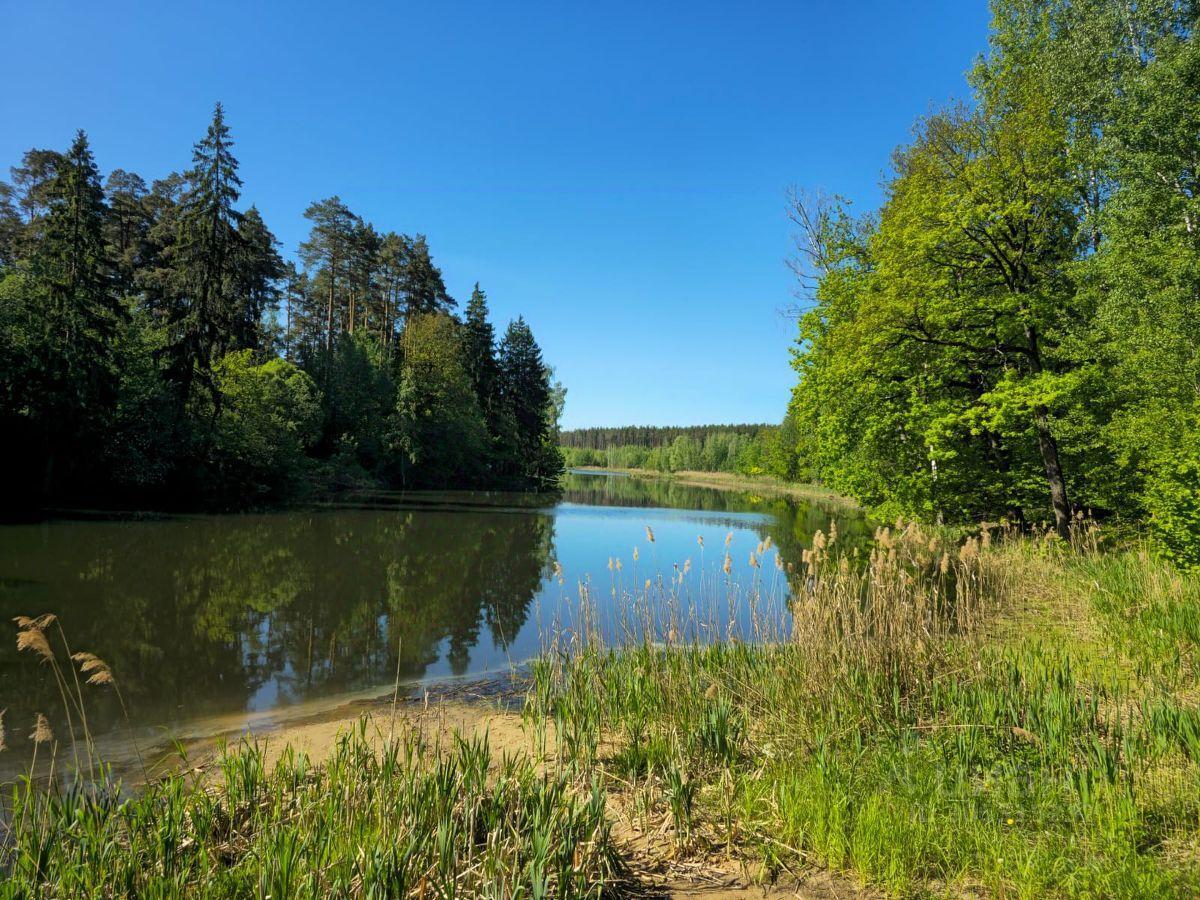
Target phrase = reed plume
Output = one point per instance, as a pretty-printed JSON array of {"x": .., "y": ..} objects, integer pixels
[
  {"x": 41, "y": 733},
  {"x": 98, "y": 670}
]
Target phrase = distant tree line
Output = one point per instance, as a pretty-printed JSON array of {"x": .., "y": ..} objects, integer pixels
[
  {"x": 1016, "y": 332},
  {"x": 649, "y": 435},
  {"x": 156, "y": 347},
  {"x": 744, "y": 449}
]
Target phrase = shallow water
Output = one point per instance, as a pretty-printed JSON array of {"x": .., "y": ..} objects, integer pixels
[{"x": 216, "y": 621}]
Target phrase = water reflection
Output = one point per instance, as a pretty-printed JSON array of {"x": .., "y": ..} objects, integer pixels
[{"x": 211, "y": 615}]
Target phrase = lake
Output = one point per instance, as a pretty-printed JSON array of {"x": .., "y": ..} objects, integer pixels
[{"x": 215, "y": 622}]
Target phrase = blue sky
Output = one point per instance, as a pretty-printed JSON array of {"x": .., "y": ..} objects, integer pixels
[{"x": 615, "y": 171}]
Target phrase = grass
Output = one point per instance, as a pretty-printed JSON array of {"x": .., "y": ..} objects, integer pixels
[
  {"x": 389, "y": 817},
  {"x": 924, "y": 729},
  {"x": 1006, "y": 715}
]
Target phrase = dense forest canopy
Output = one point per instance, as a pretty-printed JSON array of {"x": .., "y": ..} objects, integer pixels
[
  {"x": 155, "y": 346},
  {"x": 1016, "y": 332}
]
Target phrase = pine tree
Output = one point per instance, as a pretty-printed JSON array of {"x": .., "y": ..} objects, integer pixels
[
  {"x": 422, "y": 284},
  {"x": 329, "y": 249}
]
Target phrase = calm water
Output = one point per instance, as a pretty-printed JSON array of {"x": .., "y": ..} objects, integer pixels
[{"x": 219, "y": 619}]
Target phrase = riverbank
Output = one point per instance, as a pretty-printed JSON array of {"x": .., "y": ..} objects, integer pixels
[
  {"x": 731, "y": 481},
  {"x": 1003, "y": 716}
]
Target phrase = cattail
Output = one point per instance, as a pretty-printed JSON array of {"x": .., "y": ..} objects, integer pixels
[
  {"x": 41, "y": 730},
  {"x": 729, "y": 539},
  {"x": 687, "y": 565},
  {"x": 753, "y": 561},
  {"x": 760, "y": 548},
  {"x": 778, "y": 562},
  {"x": 647, "y": 585},
  {"x": 728, "y": 567},
  {"x": 618, "y": 564},
  {"x": 650, "y": 534},
  {"x": 610, "y": 564},
  {"x": 33, "y": 639},
  {"x": 99, "y": 669},
  {"x": 635, "y": 554},
  {"x": 558, "y": 569}
]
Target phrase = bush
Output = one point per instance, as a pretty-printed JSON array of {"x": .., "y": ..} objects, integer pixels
[{"x": 1173, "y": 501}]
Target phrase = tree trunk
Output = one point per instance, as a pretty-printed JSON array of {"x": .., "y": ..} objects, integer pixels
[
  {"x": 329, "y": 319},
  {"x": 1049, "y": 449},
  {"x": 1054, "y": 475}
]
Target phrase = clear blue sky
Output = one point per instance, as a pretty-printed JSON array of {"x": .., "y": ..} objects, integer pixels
[{"x": 615, "y": 171}]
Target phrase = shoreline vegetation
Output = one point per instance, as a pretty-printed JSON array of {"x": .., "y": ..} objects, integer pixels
[
  {"x": 970, "y": 703},
  {"x": 732, "y": 481},
  {"x": 1007, "y": 714}
]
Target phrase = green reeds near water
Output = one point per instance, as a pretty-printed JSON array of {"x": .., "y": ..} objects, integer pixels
[
  {"x": 380, "y": 817},
  {"x": 1002, "y": 715}
]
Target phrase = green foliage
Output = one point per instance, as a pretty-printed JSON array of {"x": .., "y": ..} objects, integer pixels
[
  {"x": 744, "y": 449},
  {"x": 267, "y": 416},
  {"x": 530, "y": 403},
  {"x": 1030, "y": 760},
  {"x": 1173, "y": 504},
  {"x": 382, "y": 817},
  {"x": 441, "y": 431},
  {"x": 140, "y": 341},
  {"x": 1013, "y": 334}
]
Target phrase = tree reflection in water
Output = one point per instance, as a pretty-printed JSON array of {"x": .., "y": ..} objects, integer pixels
[{"x": 207, "y": 615}]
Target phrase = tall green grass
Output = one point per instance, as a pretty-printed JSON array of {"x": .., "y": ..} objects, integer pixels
[
  {"x": 1002, "y": 715},
  {"x": 378, "y": 818},
  {"x": 892, "y": 736}
]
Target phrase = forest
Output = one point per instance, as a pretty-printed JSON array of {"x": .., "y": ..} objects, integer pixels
[
  {"x": 1014, "y": 333},
  {"x": 157, "y": 348},
  {"x": 752, "y": 449}
]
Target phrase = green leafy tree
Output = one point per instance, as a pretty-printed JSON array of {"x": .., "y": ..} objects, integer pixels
[
  {"x": 440, "y": 432},
  {"x": 269, "y": 415}
]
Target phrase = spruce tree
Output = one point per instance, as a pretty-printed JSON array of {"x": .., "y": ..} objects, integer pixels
[
  {"x": 479, "y": 349},
  {"x": 203, "y": 313},
  {"x": 528, "y": 399},
  {"x": 72, "y": 279}
]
